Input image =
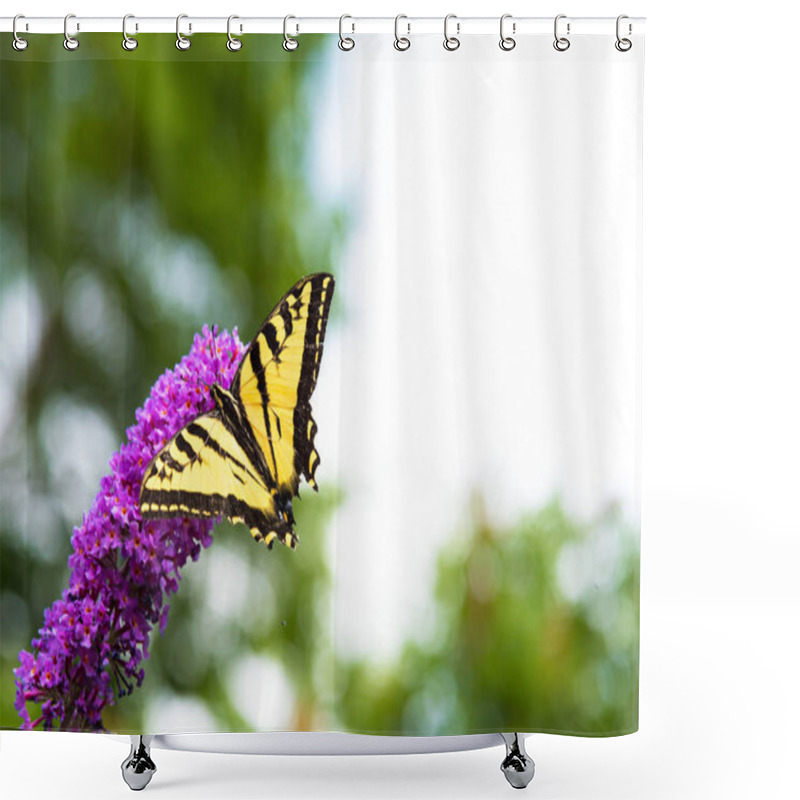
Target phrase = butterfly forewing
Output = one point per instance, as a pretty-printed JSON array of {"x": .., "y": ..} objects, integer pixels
[{"x": 278, "y": 375}]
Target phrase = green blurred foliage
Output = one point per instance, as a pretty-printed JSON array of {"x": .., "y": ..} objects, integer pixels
[
  {"x": 536, "y": 629},
  {"x": 142, "y": 195}
]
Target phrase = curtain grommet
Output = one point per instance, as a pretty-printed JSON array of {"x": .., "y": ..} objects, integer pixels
[
  {"x": 507, "y": 43},
  {"x": 290, "y": 43},
  {"x": 561, "y": 43},
  {"x": 623, "y": 44},
  {"x": 182, "y": 42},
  {"x": 346, "y": 43},
  {"x": 128, "y": 42},
  {"x": 70, "y": 42},
  {"x": 451, "y": 43},
  {"x": 233, "y": 44},
  {"x": 401, "y": 43},
  {"x": 19, "y": 44}
]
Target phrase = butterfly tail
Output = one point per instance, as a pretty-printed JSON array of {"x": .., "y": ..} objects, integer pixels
[{"x": 287, "y": 537}]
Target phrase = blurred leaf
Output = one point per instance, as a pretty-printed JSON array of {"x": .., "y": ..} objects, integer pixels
[{"x": 502, "y": 611}]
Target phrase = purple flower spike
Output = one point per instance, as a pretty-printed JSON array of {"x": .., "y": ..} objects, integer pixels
[{"x": 123, "y": 568}]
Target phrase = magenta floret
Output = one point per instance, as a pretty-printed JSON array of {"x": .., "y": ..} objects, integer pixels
[{"x": 94, "y": 639}]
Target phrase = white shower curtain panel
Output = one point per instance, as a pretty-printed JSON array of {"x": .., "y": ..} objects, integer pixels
[{"x": 470, "y": 563}]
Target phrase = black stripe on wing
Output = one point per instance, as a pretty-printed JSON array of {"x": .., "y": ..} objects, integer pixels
[
  {"x": 182, "y": 503},
  {"x": 281, "y": 308},
  {"x": 257, "y": 366},
  {"x": 306, "y": 458}
]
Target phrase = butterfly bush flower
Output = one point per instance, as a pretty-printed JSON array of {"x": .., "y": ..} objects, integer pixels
[{"x": 94, "y": 640}]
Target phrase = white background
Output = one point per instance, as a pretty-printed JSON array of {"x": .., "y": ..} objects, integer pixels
[
  {"x": 466, "y": 175},
  {"x": 721, "y": 538}
]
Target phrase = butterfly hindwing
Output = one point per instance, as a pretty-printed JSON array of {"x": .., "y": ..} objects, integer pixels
[
  {"x": 277, "y": 376},
  {"x": 204, "y": 471}
]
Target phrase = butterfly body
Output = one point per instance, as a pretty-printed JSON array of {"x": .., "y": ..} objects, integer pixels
[{"x": 244, "y": 459}]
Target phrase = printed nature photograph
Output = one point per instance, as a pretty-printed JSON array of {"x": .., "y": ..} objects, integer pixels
[{"x": 296, "y": 434}]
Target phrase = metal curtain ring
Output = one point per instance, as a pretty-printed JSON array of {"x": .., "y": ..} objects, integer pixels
[
  {"x": 182, "y": 43},
  {"x": 70, "y": 42},
  {"x": 345, "y": 42},
  {"x": 451, "y": 42},
  {"x": 623, "y": 45},
  {"x": 128, "y": 42},
  {"x": 234, "y": 44},
  {"x": 401, "y": 42},
  {"x": 561, "y": 43},
  {"x": 289, "y": 44},
  {"x": 506, "y": 42},
  {"x": 19, "y": 43}
]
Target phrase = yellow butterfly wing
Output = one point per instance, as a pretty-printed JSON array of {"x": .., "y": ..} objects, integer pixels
[
  {"x": 276, "y": 378},
  {"x": 204, "y": 471},
  {"x": 244, "y": 459}
]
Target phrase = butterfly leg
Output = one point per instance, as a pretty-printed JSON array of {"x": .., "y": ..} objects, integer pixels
[
  {"x": 517, "y": 766},
  {"x": 138, "y": 768}
]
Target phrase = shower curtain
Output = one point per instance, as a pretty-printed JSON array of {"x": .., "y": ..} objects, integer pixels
[{"x": 407, "y": 279}]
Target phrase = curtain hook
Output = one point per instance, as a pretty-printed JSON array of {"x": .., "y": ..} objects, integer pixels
[
  {"x": 506, "y": 42},
  {"x": 182, "y": 43},
  {"x": 401, "y": 42},
  {"x": 234, "y": 44},
  {"x": 451, "y": 42},
  {"x": 128, "y": 42},
  {"x": 561, "y": 43},
  {"x": 345, "y": 42},
  {"x": 19, "y": 43},
  {"x": 623, "y": 45},
  {"x": 70, "y": 42},
  {"x": 290, "y": 44}
]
